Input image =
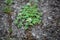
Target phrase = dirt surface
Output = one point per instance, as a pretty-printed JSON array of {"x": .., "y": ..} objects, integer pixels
[
  {"x": 49, "y": 29},
  {"x": 51, "y": 17}
]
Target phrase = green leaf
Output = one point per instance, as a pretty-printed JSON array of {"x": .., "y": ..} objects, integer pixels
[
  {"x": 8, "y": 2},
  {"x": 7, "y": 9},
  {"x": 20, "y": 25},
  {"x": 16, "y": 21},
  {"x": 25, "y": 27}
]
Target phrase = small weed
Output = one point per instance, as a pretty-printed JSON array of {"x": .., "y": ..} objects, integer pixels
[
  {"x": 7, "y": 9},
  {"x": 29, "y": 16},
  {"x": 8, "y": 2}
]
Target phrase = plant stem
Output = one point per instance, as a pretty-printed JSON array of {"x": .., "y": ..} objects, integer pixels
[{"x": 10, "y": 24}]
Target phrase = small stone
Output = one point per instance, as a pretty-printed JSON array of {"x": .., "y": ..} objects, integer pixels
[
  {"x": 33, "y": 34},
  {"x": 49, "y": 17},
  {"x": 44, "y": 11},
  {"x": 44, "y": 34},
  {"x": 22, "y": 27},
  {"x": 37, "y": 36}
]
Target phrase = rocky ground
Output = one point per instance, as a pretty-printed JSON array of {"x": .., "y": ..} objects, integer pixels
[{"x": 49, "y": 29}]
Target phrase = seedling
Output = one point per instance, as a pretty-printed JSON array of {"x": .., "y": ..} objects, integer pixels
[
  {"x": 7, "y": 9},
  {"x": 8, "y": 2},
  {"x": 28, "y": 17}
]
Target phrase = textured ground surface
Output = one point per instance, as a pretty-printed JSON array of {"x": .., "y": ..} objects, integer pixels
[{"x": 50, "y": 30}]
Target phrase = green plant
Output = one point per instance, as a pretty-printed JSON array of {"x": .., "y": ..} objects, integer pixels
[
  {"x": 29, "y": 16},
  {"x": 7, "y": 9},
  {"x": 8, "y": 2}
]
